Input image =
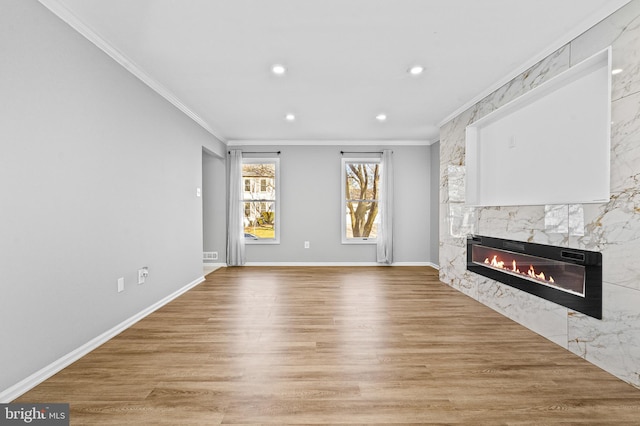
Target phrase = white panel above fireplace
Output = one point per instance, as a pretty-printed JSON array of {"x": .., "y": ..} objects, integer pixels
[{"x": 549, "y": 146}]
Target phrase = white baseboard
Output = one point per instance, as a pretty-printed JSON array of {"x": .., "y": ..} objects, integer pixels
[
  {"x": 339, "y": 264},
  {"x": 43, "y": 374},
  {"x": 311, "y": 264},
  {"x": 432, "y": 265},
  {"x": 210, "y": 267}
]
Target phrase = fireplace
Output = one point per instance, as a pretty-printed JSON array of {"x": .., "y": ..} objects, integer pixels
[{"x": 566, "y": 276}]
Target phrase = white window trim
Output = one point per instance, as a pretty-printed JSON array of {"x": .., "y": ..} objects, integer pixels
[
  {"x": 276, "y": 162},
  {"x": 343, "y": 203}
]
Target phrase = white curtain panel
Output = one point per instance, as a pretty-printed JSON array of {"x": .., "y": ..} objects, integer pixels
[
  {"x": 235, "y": 231},
  {"x": 385, "y": 210}
]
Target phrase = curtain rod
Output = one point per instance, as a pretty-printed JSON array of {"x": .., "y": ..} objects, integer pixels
[
  {"x": 362, "y": 152},
  {"x": 256, "y": 152}
]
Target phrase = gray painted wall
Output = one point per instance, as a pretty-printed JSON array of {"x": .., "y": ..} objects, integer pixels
[
  {"x": 214, "y": 205},
  {"x": 434, "y": 248},
  {"x": 98, "y": 178},
  {"x": 311, "y": 206}
]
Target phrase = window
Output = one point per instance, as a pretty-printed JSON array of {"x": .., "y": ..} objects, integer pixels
[
  {"x": 261, "y": 220},
  {"x": 360, "y": 195}
]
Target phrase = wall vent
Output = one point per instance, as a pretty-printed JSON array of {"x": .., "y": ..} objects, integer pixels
[{"x": 210, "y": 255}]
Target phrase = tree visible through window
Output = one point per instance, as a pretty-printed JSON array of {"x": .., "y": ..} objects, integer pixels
[
  {"x": 361, "y": 181},
  {"x": 260, "y": 200}
]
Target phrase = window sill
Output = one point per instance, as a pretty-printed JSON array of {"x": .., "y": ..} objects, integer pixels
[
  {"x": 261, "y": 242},
  {"x": 360, "y": 241}
]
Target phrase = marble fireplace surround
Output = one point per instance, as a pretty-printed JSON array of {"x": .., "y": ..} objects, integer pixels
[
  {"x": 612, "y": 228},
  {"x": 568, "y": 277}
]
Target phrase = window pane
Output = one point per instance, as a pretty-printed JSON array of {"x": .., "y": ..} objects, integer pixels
[
  {"x": 260, "y": 180},
  {"x": 361, "y": 219},
  {"x": 361, "y": 199},
  {"x": 259, "y": 220},
  {"x": 362, "y": 181}
]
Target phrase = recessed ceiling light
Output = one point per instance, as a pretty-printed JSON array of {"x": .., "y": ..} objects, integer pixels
[
  {"x": 278, "y": 69},
  {"x": 616, "y": 71},
  {"x": 381, "y": 117},
  {"x": 416, "y": 70},
  {"x": 290, "y": 117}
]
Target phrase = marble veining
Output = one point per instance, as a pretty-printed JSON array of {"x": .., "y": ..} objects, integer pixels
[
  {"x": 461, "y": 220},
  {"x": 612, "y": 343},
  {"x": 513, "y": 223},
  {"x": 612, "y": 228},
  {"x": 564, "y": 219},
  {"x": 545, "y": 318},
  {"x": 616, "y": 233},
  {"x": 454, "y": 133},
  {"x": 539, "y": 73},
  {"x": 456, "y": 183},
  {"x": 621, "y": 31},
  {"x": 453, "y": 270},
  {"x": 625, "y": 142}
]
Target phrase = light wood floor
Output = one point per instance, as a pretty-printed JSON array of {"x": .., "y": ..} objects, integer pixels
[{"x": 334, "y": 345}]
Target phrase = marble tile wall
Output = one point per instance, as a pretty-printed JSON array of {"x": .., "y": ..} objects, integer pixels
[{"x": 612, "y": 343}]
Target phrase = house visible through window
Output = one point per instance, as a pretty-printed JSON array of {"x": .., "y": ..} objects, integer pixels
[
  {"x": 260, "y": 199},
  {"x": 360, "y": 195}
]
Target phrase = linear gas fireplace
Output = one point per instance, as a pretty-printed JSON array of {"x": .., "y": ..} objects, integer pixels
[{"x": 566, "y": 276}]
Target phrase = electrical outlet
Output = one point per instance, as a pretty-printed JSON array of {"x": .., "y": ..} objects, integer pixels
[
  {"x": 306, "y": 244},
  {"x": 142, "y": 275},
  {"x": 120, "y": 285}
]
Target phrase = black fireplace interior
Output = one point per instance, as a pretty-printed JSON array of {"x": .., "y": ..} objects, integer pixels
[{"x": 567, "y": 276}]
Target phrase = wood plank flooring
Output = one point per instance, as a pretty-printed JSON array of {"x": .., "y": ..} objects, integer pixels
[{"x": 333, "y": 345}]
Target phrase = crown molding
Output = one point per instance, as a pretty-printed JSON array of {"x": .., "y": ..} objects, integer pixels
[
  {"x": 325, "y": 142},
  {"x": 62, "y": 12},
  {"x": 584, "y": 26}
]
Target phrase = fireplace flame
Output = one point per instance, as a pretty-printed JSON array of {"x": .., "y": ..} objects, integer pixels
[{"x": 531, "y": 272}]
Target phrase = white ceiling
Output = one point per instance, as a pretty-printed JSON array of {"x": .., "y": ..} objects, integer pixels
[{"x": 346, "y": 60}]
